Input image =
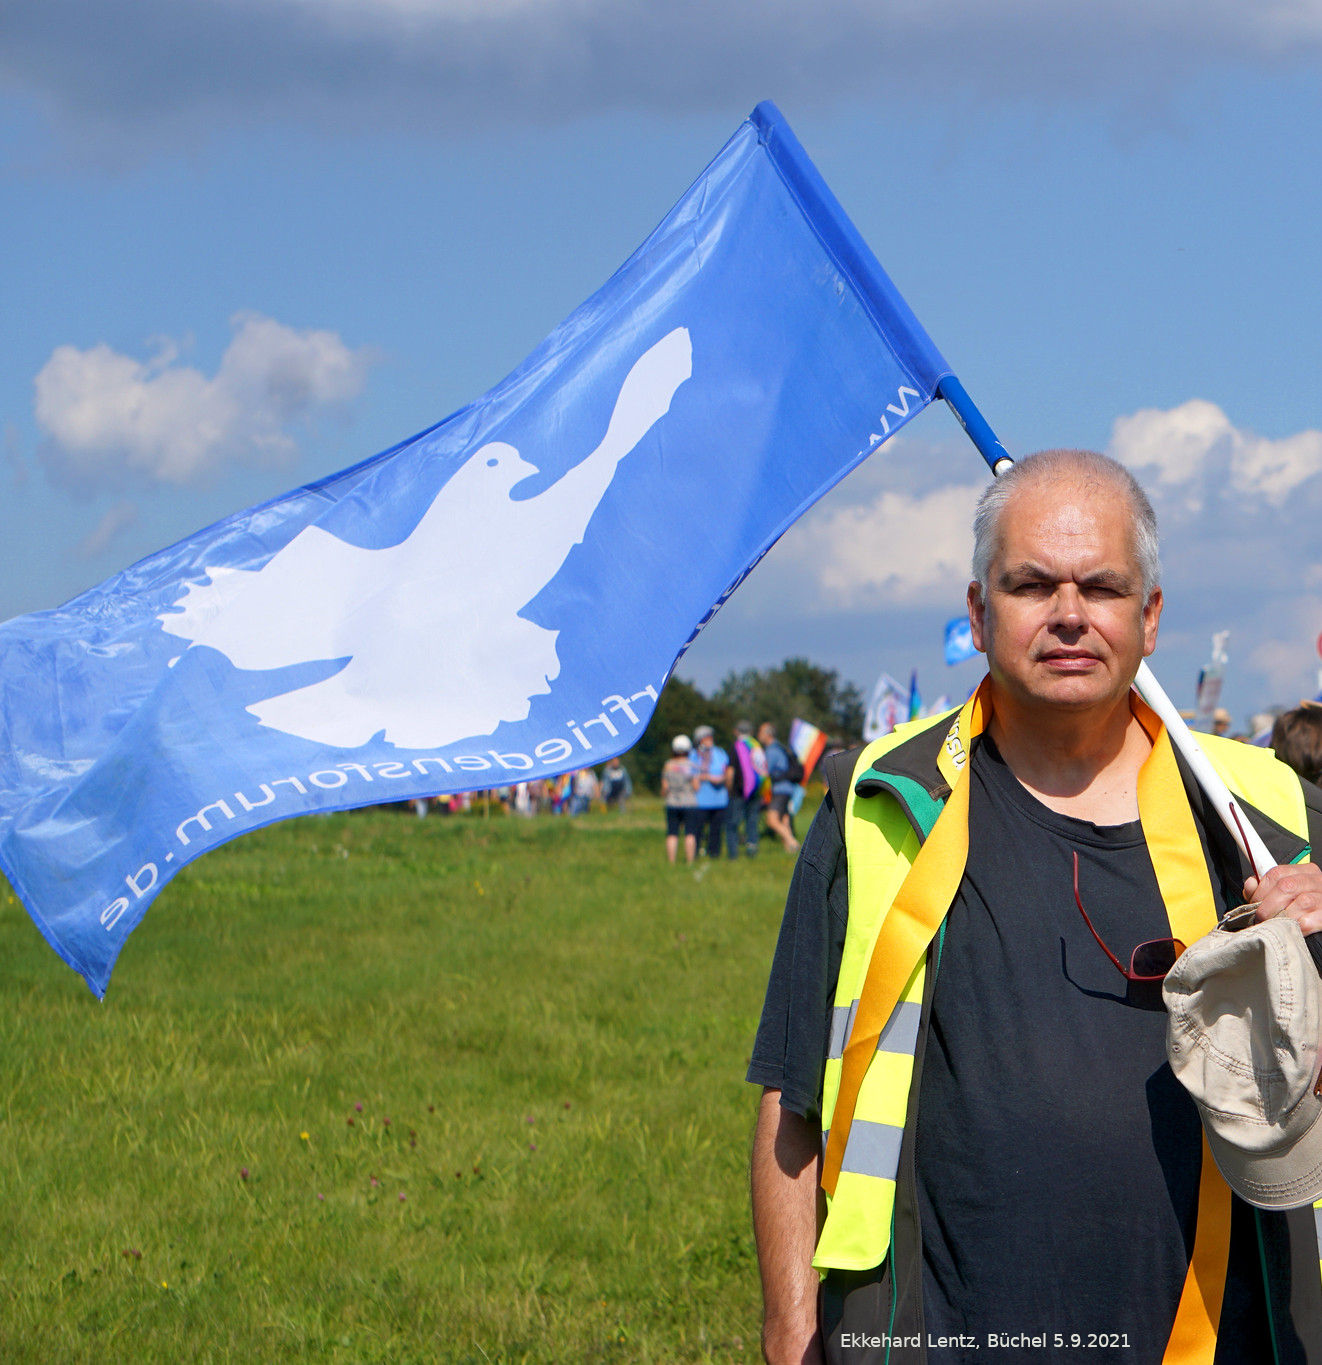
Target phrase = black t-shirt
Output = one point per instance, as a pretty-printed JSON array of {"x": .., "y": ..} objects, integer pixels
[{"x": 1057, "y": 1158}]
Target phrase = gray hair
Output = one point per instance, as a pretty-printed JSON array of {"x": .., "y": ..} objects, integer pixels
[{"x": 1085, "y": 467}]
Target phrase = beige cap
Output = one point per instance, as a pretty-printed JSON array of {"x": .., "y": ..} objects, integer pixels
[{"x": 1245, "y": 1006}]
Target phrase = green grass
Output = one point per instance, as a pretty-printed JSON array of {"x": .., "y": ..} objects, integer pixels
[{"x": 545, "y": 1027}]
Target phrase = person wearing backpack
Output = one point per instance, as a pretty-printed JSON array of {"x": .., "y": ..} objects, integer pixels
[{"x": 786, "y": 773}]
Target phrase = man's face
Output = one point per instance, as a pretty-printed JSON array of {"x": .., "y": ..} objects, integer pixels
[
  {"x": 765, "y": 735},
  {"x": 1064, "y": 624}
]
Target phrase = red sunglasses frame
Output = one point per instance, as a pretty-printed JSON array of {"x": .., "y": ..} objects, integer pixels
[{"x": 1131, "y": 974}]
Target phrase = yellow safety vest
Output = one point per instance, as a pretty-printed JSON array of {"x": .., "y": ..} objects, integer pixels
[{"x": 899, "y": 902}]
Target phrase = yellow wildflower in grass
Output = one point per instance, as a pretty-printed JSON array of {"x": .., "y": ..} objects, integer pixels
[{"x": 303, "y": 1137}]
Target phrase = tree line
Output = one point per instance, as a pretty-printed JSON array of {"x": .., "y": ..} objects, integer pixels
[{"x": 796, "y": 688}]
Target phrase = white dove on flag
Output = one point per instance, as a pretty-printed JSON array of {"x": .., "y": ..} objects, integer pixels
[{"x": 436, "y": 649}]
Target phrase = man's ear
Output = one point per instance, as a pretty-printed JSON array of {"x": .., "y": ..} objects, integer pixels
[
  {"x": 977, "y": 617},
  {"x": 1151, "y": 619}
]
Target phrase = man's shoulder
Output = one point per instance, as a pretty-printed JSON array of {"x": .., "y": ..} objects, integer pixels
[
  {"x": 1292, "y": 807},
  {"x": 1236, "y": 751},
  {"x": 1243, "y": 764},
  {"x": 902, "y": 764},
  {"x": 909, "y": 750}
]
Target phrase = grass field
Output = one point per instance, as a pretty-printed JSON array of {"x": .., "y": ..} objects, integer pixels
[{"x": 370, "y": 1088}]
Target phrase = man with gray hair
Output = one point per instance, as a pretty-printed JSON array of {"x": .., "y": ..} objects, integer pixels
[{"x": 968, "y": 1126}]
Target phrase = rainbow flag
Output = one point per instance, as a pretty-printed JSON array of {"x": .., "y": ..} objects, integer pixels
[{"x": 808, "y": 743}]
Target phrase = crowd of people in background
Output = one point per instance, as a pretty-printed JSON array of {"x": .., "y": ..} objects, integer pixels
[
  {"x": 717, "y": 797},
  {"x": 711, "y": 795},
  {"x": 570, "y": 794}
]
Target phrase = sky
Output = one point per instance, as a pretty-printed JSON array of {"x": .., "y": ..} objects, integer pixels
[{"x": 250, "y": 242}]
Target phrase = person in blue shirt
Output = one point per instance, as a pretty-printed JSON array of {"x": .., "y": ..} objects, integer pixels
[{"x": 709, "y": 766}]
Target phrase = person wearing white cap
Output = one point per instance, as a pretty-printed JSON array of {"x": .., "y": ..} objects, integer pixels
[
  {"x": 679, "y": 792},
  {"x": 963, "y": 1046}
]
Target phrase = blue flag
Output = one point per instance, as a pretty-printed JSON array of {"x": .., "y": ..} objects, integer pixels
[
  {"x": 498, "y": 599},
  {"x": 959, "y": 640}
]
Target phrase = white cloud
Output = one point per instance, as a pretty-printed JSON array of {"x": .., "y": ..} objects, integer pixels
[
  {"x": 154, "y": 67},
  {"x": 1170, "y": 446},
  {"x": 1175, "y": 447},
  {"x": 900, "y": 549},
  {"x": 1240, "y": 548},
  {"x": 1276, "y": 468},
  {"x": 109, "y": 417}
]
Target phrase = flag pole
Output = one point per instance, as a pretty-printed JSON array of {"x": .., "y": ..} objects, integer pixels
[{"x": 1146, "y": 685}]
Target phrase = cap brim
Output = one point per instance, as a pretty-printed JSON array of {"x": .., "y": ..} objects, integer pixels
[{"x": 1288, "y": 1178}]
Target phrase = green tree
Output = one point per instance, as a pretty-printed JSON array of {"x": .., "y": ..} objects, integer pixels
[{"x": 796, "y": 688}]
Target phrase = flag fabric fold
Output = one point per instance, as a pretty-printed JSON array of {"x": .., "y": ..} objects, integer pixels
[{"x": 492, "y": 601}]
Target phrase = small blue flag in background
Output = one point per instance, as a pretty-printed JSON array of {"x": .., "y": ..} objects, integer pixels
[
  {"x": 959, "y": 640},
  {"x": 490, "y": 602}
]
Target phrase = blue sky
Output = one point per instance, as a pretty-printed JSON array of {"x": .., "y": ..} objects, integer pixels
[{"x": 250, "y": 243}]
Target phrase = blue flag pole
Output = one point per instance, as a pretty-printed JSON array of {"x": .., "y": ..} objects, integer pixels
[
  {"x": 974, "y": 423},
  {"x": 1145, "y": 683}
]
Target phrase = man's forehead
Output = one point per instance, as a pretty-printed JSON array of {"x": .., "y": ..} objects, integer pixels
[
  {"x": 1062, "y": 491},
  {"x": 1054, "y": 514}
]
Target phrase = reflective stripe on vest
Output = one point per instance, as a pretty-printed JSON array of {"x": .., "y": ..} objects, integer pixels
[
  {"x": 865, "y": 1187},
  {"x": 881, "y": 850},
  {"x": 895, "y": 1048}
]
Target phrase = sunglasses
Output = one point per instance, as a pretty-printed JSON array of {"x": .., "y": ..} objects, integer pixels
[{"x": 1149, "y": 962}]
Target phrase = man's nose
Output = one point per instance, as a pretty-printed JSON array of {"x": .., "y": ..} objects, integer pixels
[{"x": 1068, "y": 607}]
